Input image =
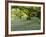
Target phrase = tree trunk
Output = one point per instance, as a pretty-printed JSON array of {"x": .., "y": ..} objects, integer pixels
[
  {"x": 20, "y": 17},
  {"x": 29, "y": 17}
]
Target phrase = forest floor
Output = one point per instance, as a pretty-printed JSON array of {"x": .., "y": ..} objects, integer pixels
[{"x": 23, "y": 25}]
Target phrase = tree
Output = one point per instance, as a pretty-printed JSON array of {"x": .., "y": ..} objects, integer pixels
[{"x": 30, "y": 11}]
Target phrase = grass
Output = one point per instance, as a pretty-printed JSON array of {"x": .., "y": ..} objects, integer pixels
[{"x": 23, "y": 24}]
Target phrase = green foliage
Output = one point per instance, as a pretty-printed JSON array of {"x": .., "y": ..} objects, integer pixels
[
  {"x": 30, "y": 11},
  {"x": 25, "y": 18}
]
